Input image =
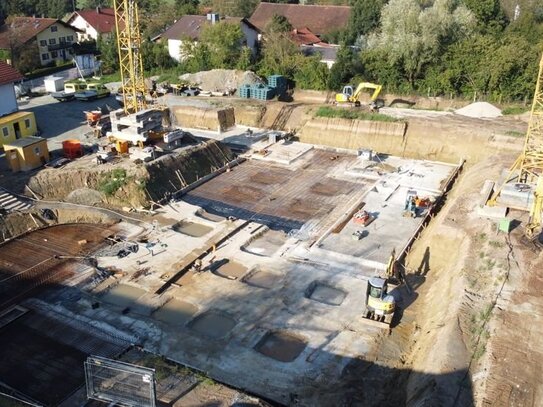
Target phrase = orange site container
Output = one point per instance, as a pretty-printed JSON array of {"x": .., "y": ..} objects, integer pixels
[{"x": 72, "y": 148}]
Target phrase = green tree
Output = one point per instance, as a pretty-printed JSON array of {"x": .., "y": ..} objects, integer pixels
[
  {"x": 363, "y": 19},
  {"x": 278, "y": 24},
  {"x": 224, "y": 40},
  {"x": 245, "y": 61},
  {"x": 312, "y": 74},
  {"x": 196, "y": 56},
  {"x": 412, "y": 37},
  {"x": 279, "y": 56},
  {"x": 108, "y": 54},
  {"x": 346, "y": 67},
  {"x": 488, "y": 12}
]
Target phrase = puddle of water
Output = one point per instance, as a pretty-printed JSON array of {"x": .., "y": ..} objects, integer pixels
[
  {"x": 209, "y": 216},
  {"x": 175, "y": 312},
  {"x": 281, "y": 346},
  {"x": 262, "y": 279},
  {"x": 122, "y": 295},
  {"x": 192, "y": 229},
  {"x": 325, "y": 294},
  {"x": 267, "y": 244},
  {"x": 212, "y": 324},
  {"x": 231, "y": 270}
]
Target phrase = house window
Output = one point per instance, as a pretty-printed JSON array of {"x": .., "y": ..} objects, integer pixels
[
  {"x": 27, "y": 123},
  {"x": 54, "y": 54},
  {"x": 69, "y": 38},
  {"x": 37, "y": 150},
  {"x": 43, "y": 43},
  {"x": 54, "y": 28},
  {"x": 62, "y": 40},
  {"x": 45, "y": 56},
  {"x": 52, "y": 41},
  {"x": 5, "y": 131}
]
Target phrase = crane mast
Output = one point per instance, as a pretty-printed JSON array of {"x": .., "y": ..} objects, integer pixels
[
  {"x": 130, "y": 59},
  {"x": 531, "y": 161}
]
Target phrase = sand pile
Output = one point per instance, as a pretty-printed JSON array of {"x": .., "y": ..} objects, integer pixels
[
  {"x": 220, "y": 80},
  {"x": 480, "y": 110}
]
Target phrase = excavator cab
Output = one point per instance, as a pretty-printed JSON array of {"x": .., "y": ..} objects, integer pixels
[
  {"x": 351, "y": 95},
  {"x": 380, "y": 305}
]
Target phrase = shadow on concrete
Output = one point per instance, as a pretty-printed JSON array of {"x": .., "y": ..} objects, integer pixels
[{"x": 42, "y": 358}]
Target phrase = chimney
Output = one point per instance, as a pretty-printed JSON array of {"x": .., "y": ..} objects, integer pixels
[
  {"x": 98, "y": 9},
  {"x": 295, "y": 31}
]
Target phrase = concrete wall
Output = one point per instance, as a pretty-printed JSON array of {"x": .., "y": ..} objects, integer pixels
[
  {"x": 251, "y": 37},
  {"x": 206, "y": 119},
  {"x": 174, "y": 49},
  {"x": 8, "y": 100},
  {"x": 419, "y": 138}
]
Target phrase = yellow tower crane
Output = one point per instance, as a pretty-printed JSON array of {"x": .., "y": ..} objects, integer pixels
[
  {"x": 528, "y": 168},
  {"x": 130, "y": 59}
]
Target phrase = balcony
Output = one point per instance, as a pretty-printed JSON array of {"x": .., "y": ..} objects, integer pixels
[{"x": 57, "y": 47}]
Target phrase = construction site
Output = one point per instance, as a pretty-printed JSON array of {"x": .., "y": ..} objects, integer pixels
[{"x": 222, "y": 252}]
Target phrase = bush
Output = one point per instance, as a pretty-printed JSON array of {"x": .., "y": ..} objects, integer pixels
[{"x": 112, "y": 181}]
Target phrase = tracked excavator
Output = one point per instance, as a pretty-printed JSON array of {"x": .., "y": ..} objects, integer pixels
[
  {"x": 380, "y": 304},
  {"x": 352, "y": 96}
]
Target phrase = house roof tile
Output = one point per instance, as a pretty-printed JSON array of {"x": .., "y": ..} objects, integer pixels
[
  {"x": 22, "y": 29},
  {"x": 319, "y": 19},
  {"x": 101, "y": 19},
  {"x": 8, "y": 74},
  {"x": 191, "y": 26}
]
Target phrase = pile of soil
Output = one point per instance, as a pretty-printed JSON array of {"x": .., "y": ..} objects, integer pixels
[
  {"x": 480, "y": 110},
  {"x": 220, "y": 80}
]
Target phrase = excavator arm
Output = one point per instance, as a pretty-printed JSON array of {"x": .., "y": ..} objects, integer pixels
[{"x": 367, "y": 85}]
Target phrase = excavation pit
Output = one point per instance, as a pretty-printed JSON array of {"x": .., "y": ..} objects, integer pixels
[
  {"x": 261, "y": 279},
  {"x": 192, "y": 229},
  {"x": 325, "y": 293},
  {"x": 281, "y": 346},
  {"x": 229, "y": 269},
  {"x": 267, "y": 244},
  {"x": 213, "y": 324},
  {"x": 175, "y": 312}
]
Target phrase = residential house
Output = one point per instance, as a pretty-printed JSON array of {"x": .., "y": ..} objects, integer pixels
[
  {"x": 93, "y": 23},
  {"x": 48, "y": 39},
  {"x": 310, "y": 44},
  {"x": 8, "y": 100},
  {"x": 190, "y": 27},
  {"x": 320, "y": 20}
]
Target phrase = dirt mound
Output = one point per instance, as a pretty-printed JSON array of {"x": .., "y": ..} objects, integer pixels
[
  {"x": 480, "y": 110},
  {"x": 218, "y": 80}
]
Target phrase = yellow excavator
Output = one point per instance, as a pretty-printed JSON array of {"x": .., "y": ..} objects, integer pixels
[
  {"x": 352, "y": 96},
  {"x": 380, "y": 304}
]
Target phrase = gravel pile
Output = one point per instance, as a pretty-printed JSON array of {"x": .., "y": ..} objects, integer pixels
[
  {"x": 220, "y": 80},
  {"x": 480, "y": 110}
]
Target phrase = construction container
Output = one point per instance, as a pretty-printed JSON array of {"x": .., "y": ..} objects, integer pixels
[
  {"x": 17, "y": 125},
  {"x": 122, "y": 146},
  {"x": 53, "y": 84},
  {"x": 72, "y": 149},
  {"x": 27, "y": 153}
]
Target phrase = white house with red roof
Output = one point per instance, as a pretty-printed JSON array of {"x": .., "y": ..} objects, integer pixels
[
  {"x": 94, "y": 23},
  {"x": 8, "y": 100}
]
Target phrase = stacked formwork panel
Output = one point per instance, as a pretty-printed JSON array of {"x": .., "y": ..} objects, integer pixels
[{"x": 135, "y": 127}]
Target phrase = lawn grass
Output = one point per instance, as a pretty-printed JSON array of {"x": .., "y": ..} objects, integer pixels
[{"x": 353, "y": 114}]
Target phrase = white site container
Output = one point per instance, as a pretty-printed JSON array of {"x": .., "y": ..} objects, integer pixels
[{"x": 53, "y": 84}]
